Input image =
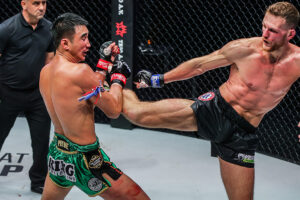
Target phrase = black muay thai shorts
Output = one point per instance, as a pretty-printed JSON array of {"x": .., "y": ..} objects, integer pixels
[{"x": 233, "y": 138}]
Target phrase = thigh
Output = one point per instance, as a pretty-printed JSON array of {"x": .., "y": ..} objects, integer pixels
[
  {"x": 123, "y": 189},
  {"x": 52, "y": 191},
  {"x": 175, "y": 114},
  {"x": 238, "y": 180}
]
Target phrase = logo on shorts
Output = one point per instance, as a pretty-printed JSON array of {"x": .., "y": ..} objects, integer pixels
[
  {"x": 95, "y": 184},
  {"x": 207, "y": 96},
  {"x": 245, "y": 158},
  {"x": 61, "y": 168},
  {"x": 95, "y": 162},
  {"x": 63, "y": 145}
]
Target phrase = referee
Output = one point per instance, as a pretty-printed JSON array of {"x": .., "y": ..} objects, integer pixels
[{"x": 26, "y": 45}]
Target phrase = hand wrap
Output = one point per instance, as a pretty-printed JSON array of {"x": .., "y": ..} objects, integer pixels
[{"x": 95, "y": 91}]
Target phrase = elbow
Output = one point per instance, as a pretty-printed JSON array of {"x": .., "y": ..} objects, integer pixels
[
  {"x": 200, "y": 71},
  {"x": 114, "y": 113}
]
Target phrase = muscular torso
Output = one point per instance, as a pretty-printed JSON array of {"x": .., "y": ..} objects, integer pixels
[
  {"x": 60, "y": 91},
  {"x": 257, "y": 84}
]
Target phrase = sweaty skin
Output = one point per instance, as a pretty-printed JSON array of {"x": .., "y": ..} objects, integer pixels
[
  {"x": 257, "y": 83},
  {"x": 262, "y": 69},
  {"x": 64, "y": 80}
]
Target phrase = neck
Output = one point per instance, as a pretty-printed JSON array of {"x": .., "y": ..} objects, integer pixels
[
  {"x": 67, "y": 56},
  {"x": 276, "y": 55},
  {"x": 30, "y": 20}
]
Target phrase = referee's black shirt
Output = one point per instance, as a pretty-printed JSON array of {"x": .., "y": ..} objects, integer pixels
[{"x": 23, "y": 52}]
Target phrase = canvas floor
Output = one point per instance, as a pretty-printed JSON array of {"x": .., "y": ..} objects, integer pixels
[{"x": 167, "y": 166}]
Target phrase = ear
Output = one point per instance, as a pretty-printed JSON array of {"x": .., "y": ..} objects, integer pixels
[
  {"x": 65, "y": 44},
  {"x": 291, "y": 34},
  {"x": 23, "y": 4}
]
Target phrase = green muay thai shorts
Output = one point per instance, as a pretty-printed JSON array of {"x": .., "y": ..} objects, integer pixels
[{"x": 71, "y": 164}]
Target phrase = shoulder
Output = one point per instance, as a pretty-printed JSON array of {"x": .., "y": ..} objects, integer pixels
[
  {"x": 80, "y": 71},
  {"x": 244, "y": 43},
  {"x": 295, "y": 56},
  {"x": 46, "y": 22},
  {"x": 83, "y": 68},
  {"x": 10, "y": 23},
  {"x": 237, "y": 49},
  {"x": 46, "y": 25},
  {"x": 85, "y": 77},
  {"x": 44, "y": 70}
]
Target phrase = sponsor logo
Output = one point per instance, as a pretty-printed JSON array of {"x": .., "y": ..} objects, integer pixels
[
  {"x": 119, "y": 77},
  {"x": 207, "y": 96},
  {"x": 63, "y": 145},
  {"x": 121, "y": 29},
  {"x": 245, "y": 158},
  {"x": 60, "y": 168},
  {"x": 14, "y": 163},
  {"x": 95, "y": 184},
  {"x": 155, "y": 80},
  {"x": 95, "y": 162}
]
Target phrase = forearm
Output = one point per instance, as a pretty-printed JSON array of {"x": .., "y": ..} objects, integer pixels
[
  {"x": 196, "y": 66},
  {"x": 183, "y": 71}
]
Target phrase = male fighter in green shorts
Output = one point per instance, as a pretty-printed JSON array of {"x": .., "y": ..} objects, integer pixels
[{"x": 75, "y": 157}]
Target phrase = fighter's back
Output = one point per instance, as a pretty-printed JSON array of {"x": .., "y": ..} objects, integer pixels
[{"x": 61, "y": 85}]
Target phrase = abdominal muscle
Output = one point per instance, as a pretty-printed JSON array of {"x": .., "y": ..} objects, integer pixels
[{"x": 251, "y": 104}]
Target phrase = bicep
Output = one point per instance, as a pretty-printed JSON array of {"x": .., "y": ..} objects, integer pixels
[
  {"x": 110, "y": 102},
  {"x": 227, "y": 55},
  {"x": 236, "y": 50},
  {"x": 88, "y": 79},
  {"x": 213, "y": 61}
]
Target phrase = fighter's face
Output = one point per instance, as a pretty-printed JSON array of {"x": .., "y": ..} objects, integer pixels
[
  {"x": 80, "y": 44},
  {"x": 35, "y": 9},
  {"x": 275, "y": 32}
]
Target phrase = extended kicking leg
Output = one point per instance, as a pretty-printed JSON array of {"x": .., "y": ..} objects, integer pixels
[{"x": 175, "y": 114}]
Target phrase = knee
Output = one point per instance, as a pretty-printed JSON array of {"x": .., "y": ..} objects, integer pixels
[
  {"x": 131, "y": 114},
  {"x": 120, "y": 191},
  {"x": 133, "y": 191},
  {"x": 130, "y": 105},
  {"x": 130, "y": 96}
]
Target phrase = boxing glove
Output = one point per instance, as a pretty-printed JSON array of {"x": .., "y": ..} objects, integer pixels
[
  {"x": 146, "y": 79},
  {"x": 105, "y": 56},
  {"x": 119, "y": 73}
]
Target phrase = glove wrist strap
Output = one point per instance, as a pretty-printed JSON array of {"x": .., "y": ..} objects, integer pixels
[
  {"x": 157, "y": 80},
  {"x": 103, "y": 64},
  {"x": 117, "y": 77}
]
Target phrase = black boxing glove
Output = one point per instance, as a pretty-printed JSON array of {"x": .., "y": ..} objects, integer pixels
[
  {"x": 119, "y": 73},
  {"x": 146, "y": 79},
  {"x": 105, "y": 57}
]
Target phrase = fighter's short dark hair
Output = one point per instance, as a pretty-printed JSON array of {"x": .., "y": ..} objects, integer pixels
[{"x": 64, "y": 26}]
